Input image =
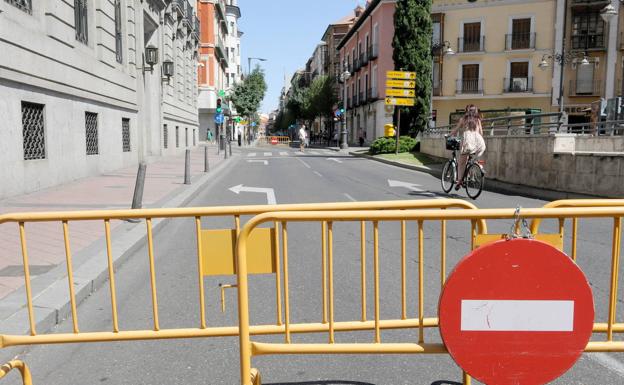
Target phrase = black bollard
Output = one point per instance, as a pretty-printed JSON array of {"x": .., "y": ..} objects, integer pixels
[
  {"x": 206, "y": 163},
  {"x": 187, "y": 167}
]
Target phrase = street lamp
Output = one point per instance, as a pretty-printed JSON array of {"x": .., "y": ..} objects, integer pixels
[
  {"x": 608, "y": 13},
  {"x": 343, "y": 134},
  {"x": 562, "y": 59},
  {"x": 249, "y": 59},
  {"x": 446, "y": 51}
]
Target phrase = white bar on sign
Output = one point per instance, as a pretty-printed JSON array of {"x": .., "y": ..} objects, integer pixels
[{"x": 517, "y": 315}]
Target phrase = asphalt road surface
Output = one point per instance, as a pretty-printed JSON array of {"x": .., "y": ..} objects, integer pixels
[{"x": 315, "y": 176}]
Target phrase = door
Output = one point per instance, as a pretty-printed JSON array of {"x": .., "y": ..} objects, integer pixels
[
  {"x": 472, "y": 37},
  {"x": 470, "y": 79},
  {"x": 521, "y": 34}
]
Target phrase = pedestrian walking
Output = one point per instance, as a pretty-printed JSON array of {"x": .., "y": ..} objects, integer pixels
[
  {"x": 210, "y": 137},
  {"x": 470, "y": 131},
  {"x": 361, "y": 137},
  {"x": 302, "y": 137}
]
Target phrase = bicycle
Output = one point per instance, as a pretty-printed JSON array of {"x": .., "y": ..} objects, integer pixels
[{"x": 474, "y": 174}]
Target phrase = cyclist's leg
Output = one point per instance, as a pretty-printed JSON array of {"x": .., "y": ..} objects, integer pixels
[{"x": 461, "y": 166}]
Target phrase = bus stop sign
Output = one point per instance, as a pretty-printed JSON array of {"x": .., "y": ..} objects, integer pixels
[{"x": 516, "y": 312}]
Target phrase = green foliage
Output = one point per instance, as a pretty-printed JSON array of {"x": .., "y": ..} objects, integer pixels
[
  {"x": 248, "y": 95},
  {"x": 310, "y": 102},
  {"x": 413, "y": 30},
  {"x": 387, "y": 145}
]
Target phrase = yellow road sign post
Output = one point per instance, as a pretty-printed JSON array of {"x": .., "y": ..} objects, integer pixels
[
  {"x": 400, "y": 92},
  {"x": 400, "y": 75},
  {"x": 400, "y": 101},
  {"x": 400, "y": 83}
]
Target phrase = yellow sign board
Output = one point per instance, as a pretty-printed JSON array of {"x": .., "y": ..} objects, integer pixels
[
  {"x": 400, "y": 83},
  {"x": 400, "y": 101},
  {"x": 401, "y": 75},
  {"x": 401, "y": 92}
]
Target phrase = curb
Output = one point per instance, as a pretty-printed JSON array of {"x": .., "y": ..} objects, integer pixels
[
  {"x": 51, "y": 301},
  {"x": 492, "y": 185}
]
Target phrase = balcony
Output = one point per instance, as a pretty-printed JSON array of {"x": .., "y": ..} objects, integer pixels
[
  {"x": 356, "y": 100},
  {"x": 362, "y": 97},
  {"x": 469, "y": 86},
  {"x": 518, "y": 84},
  {"x": 356, "y": 65},
  {"x": 585, "y": 87},
  {"x": 196, "y": 27},
  {"x": 349, "y": 103},
  {"x": 179, "y": 8},
  {"x": 373, "y": 52},
  {"x": 188, "y": 19},
  {"x": 588, "y": 42},
  {"x": 220, "y": 48},
  {"x": 373, "y": 94},
  {"x": 473, "y": 44},
  {"x": 519, "y": 41}
]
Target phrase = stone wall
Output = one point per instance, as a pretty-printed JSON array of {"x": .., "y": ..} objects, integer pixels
[{"x": 582, "y": 165}]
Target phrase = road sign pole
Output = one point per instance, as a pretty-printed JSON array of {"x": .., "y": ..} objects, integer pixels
[{"x": 398, "y": 130}]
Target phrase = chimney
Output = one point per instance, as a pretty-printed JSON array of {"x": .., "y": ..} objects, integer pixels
[{"x": 358, "y": 11}]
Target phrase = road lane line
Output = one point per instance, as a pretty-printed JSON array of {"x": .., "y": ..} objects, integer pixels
[
  {"x": 268, "y": 154},
  {"x": 318, "y": 173},
  {"x": 304, "y": 163},
  {"x": 251, "y": 154},
  {"x": 349, "y": 197},
  {"x": 283, "y": 153}
]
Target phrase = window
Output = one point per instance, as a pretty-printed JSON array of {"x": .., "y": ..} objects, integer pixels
[
  {"x": 186, "y": 137},
  {"x": 587, "y": 31},
  {"x": 521, "y": 34},
  {"x": 177, "y": 137},
  {"x": 33, "y": 131},
  {"x": 436, "y": 38},
  {"x": 585, "y": 79},
  {"x": 165, "y": 136},
  {"x": 437, "y": 81},
  {"x": 118, "y": 43},
  {"x": 80, "y": 18},
  {"x": 91, "y": 133},
  {"x": 472, "y": 37},
  {"x": 125, "y": 134},
  {"x": 519, "y": 80},
  {"x": 374, "y": 82},
  {"x": 24, "y": 5},
  {"x": 470, "y": 82}
]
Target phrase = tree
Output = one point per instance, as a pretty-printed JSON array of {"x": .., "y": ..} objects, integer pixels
[
  {"x": 248, "y": 95},
  {"x": 413, "y": 31}
]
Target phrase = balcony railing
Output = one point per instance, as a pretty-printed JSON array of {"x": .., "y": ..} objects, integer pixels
[
  {"x": 356, "y": 65},
  {"x": 473, "y": 44},
  {"x": 24, "y": 5},
  {"x": 519, "y": 41},
  {"x": 469, "y": 86},
  {"x": 188, "y": 20},
  {"x": 585, "y": 87},
  {"x": 364, "y": 58},
  {"x": 587, "y": 42},
  {"x": 362, "y": 97},
  {"x": 437, "y": 89},
  {"x": 349, "y": 103},
  {"x": 373, "y": 52},
  {"x": 196, "y": 27},
  {"x": 179, "y": 8},
  {"x": 373, "y": 94},
  {"x": 221, "y": 47},
  {"x": 518, "y": 84}
]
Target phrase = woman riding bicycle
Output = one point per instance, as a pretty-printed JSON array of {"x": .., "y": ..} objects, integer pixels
[{"x": 470, "y": 131}]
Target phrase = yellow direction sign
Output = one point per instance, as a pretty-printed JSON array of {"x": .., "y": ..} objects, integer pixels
[
  {"x": 400, "y": 92},
  {"x": 400, "y": 102},
  {"x": 401, "y": 75},
  {"x": 400, "y": 83}
]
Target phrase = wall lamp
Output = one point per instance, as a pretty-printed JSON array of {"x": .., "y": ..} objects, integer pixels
[
  {"x": 167, "y": 69},
  {"x": 150, "y": 57}
]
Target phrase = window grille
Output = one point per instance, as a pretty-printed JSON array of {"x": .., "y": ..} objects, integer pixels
[
  {"x": 33, "y": 131},
  {"x": 177, "y": 137},
  {"x": 125, "y": 134},
  {"x": 81, "y": 20},
  {"x": 91, "y": 133},
  {"x": 165, "y": 136},
  {"x": 24, "y": 5},
  {"x": 118, "y": 43}
]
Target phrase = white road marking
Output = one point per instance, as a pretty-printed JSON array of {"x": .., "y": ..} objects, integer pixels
[
  {"x": 413, "y": 187},
  {"x": 349, "y": 197},
  {"x": 313, "y": 153},
  {"x": 304, "y": 163},
  {"x": 318, "y": 173},
  {"x": 335, "y": 160},
  {"x": 270, "y": 193},
  {"x": 283, "y": 153},
  {"x": 268, "y": 154},
  {"x": 517, "y": 315},
  {"x": 251, "y": 154},
  {"x": 265, "y": 162}
]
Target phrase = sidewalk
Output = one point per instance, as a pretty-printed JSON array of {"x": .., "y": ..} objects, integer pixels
[{"x": 164, "y": 187}]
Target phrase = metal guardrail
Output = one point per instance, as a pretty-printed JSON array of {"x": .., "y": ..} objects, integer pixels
[
  {"x": 274, "y": 140},
  {"x": 536, "y": 124},
  {"x": 329, "y": 326},
  {"x": 21, "y": 367}
]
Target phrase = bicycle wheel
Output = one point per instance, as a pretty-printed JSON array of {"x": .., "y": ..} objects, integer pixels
[
  {"x": 448, "y": 176},
  {"x": 474, "y": 181}
]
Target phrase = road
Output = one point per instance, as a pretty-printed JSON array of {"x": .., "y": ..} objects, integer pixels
[{"x": 259, "y": 175}]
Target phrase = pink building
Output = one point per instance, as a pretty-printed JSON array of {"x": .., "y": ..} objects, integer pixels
[{"x": 366, "y": 51}]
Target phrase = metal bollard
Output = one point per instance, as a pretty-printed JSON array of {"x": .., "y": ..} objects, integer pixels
[
  {"x": 137, "y": 200},
  {"x": 206, "y": 163},
  {"x": 225, "y": 151},
  {"x": 187, "y": 167},
  {"x": 230, "y": 143}
]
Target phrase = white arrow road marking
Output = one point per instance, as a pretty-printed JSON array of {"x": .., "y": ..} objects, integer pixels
[
  {"x": 334, "y": 160},
  {"x": 517, "y": 315},
  {"x": 270, "y": 193},
  {"x": 265, "y": 162}
]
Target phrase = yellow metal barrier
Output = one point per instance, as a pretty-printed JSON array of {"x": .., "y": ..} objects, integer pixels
[
  {"x": 274, "y": 140},
  {"x": 19, "y": 365},
  {"x": 209, "y": 262},
  {"x": 331, "y": 327}
]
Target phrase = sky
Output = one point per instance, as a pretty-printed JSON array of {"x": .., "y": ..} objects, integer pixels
[{"x": 285, "y": 32}]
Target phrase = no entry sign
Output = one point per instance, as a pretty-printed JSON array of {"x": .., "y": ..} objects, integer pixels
[{"x": 516, "y": 312}]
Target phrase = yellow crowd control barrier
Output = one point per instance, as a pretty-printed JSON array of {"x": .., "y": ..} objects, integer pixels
[
  {"x": 332, "y": 327},
  {"x": 274, "y": 140},
  {"x": 21, "y": 367},
  {"x": 215, "y": 256}
]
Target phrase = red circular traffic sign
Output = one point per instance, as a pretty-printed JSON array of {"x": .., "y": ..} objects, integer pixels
[
  {"x": 273, "y": 140},
  {"x": 516, "y": 312}
]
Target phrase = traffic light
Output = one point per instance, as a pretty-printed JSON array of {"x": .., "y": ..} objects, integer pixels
[
  {"x": 219, "y": 108},
  {"x": 342, "y": 111}
]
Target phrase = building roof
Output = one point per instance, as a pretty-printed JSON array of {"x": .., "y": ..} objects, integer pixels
[
  {"x": 347, "y": 20},
  {"x": 369, "y": 9}
]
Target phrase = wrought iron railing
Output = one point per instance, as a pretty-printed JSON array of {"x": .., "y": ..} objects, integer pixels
[
  {"x": 581, "y": 87},
  {"x": 519, "y": 41},
  {"x": 588, "y": 41},
  {"x": 469, "y": 86},
  {"x": 518, "y": 84},
  {"x": 24, "y": 5},
  {"x": 471, "y": 44}
]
